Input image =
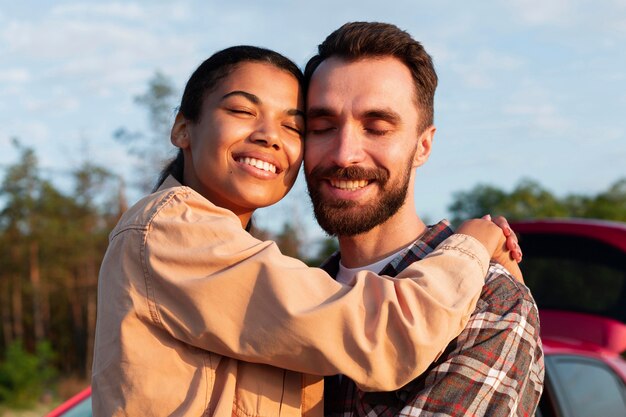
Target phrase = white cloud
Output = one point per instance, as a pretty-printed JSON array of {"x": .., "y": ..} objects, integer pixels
[
  {"x": 485, "y": 67},
  {"x": 68, "y": 39},
  {"x": 543, "y": 118},
  {"x": 74, "y": 31},
  {"x": 71, "y": 44},
  {"x": 142, "y": 11},
  {"x": 604, "y": 16},
  {"x": 613, "y": 134},
  {"x": 537, "y": 111},
  {"x": 115, "y": 10},
  {"x": 14, "y": 75},
  {"x": 31, "y": 131},
  {"x": 54, "y": 104},
  {"x": 541, "y": 12}
]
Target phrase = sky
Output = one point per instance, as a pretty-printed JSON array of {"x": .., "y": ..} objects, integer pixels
[{"x": 528, "y": 89}]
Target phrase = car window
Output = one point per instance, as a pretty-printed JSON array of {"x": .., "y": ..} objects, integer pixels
[
  {"x": 82, "y": 409},
  {"x": 586, "y": 387},
  {"x": 575, "y": 274}
]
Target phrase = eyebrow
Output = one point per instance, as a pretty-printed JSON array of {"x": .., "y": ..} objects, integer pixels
[
  {"x": 382, "y": 114},
  {"x": 251, "y": 97},
  {"x": 256, "y": 100},
  {"x": 313, "y": 112}
]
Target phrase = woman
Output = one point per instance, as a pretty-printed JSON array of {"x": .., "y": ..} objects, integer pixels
[{"x": 189, "y": 301}]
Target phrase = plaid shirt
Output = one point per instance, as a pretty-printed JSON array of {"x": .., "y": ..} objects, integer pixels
[{"x": 493, "y": 368}]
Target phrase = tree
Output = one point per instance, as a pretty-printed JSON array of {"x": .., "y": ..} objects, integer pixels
[
  {"x": 95, "y": 214},
  {"x": 326, "y": 247},
  {"x": 25, "y": 376},
  {"x": 154, "y": 148},
  {"x": 53, "y": 244},
  {"x": 610, "y": 204},
  {"x": 20, "y": 221},
  {"x": 289, "y": 242},
  {"x": 530, "y": 200}
]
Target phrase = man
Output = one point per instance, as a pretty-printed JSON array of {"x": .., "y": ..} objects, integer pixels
[{"x": 370, "y": 125}]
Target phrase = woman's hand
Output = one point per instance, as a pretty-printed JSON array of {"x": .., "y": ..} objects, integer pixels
[
  {"x": 499, "y": 240},
  {"x": 512, "y": 244}
]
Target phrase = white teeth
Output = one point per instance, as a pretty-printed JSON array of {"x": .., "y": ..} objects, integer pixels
[
  {"x": 350, "y": 185},
  {"x": 257, "y": 163}
]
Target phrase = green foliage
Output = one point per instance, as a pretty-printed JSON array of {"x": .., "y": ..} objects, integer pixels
[
  {"x": 530, "y": 200},
  {"x": 24, "y": 377},
  {"x": 153, "y": 148},
  {"x": 52, "y": 242},
  {"x": 288, "y": 240},
  {"x": 327, "y": 247},
  {"x": 609, "y": 205}
]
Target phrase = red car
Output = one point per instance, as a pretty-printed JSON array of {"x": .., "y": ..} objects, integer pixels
[
  {"x": 77, "y": 406},
  {"x": 576, "y": 270}
]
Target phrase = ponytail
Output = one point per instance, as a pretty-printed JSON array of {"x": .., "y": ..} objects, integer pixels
[{"x": 175, "y": 168}]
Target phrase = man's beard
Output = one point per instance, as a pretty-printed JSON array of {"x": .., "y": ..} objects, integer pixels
[{"x": 350, "y": 218}]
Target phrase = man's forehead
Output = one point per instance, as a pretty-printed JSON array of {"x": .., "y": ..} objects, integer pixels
[{"x": 369, "y": 83}]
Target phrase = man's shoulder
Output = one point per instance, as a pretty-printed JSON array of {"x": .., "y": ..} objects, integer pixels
[{"x": 503, "y": 293}]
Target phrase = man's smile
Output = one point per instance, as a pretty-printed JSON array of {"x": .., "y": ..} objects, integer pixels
[{"x": 351, "y": 185}]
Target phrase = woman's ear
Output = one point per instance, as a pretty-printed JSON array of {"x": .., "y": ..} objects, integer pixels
[
  {"x": 180, "y": 132},
  {"x": 424, "y": 145}
]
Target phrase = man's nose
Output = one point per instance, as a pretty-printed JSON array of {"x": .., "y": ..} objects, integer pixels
[{"x": 348, "y": 147}]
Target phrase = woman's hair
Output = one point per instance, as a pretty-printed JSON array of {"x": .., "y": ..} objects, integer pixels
[{"x": 205, "y": 79}]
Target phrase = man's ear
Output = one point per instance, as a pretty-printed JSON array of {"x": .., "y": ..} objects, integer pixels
[
  {"x": 424, "y": 145},
  {"x": 180, "y": 132}
]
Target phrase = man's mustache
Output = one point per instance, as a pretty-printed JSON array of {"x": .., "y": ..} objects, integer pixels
[{"x": 380, "y": 175}]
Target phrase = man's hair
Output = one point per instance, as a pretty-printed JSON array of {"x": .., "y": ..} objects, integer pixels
[{"x": 358, "y": 40}]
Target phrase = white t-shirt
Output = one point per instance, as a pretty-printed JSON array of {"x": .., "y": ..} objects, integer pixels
[{"x": 345, "y": 275}]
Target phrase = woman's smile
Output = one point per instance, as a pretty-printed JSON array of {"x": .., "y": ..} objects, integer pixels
[{"x": 246, "y": 149}]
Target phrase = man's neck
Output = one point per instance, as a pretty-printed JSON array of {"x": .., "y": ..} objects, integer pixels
[{"x": 381, "y": 241}]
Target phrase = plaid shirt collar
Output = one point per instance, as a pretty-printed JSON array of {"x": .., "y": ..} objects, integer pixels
[{"x": 418, "y": 250}]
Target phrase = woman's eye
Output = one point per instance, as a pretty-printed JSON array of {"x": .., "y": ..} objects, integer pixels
[{"x": 295, "y": 129}]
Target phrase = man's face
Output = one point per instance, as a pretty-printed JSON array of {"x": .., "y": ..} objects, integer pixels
[{"x": 362, "y": 142}]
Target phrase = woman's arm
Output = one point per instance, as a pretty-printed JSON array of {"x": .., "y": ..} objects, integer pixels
[{"x": 213, "y": 286}]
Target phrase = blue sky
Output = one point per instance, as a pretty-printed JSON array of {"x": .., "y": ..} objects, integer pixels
[{"x": 528, "y": 88}]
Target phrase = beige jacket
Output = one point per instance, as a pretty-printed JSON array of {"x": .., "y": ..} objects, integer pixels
[{"x": 188, "y": 301}]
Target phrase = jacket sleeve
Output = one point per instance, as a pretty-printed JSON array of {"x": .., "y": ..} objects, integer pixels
[{"x": 215, "y": 287}]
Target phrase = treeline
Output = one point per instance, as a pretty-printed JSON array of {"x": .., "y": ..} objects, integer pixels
[
  {"x": 52, "y": 244},
  {"x": 531, "y": 200}
]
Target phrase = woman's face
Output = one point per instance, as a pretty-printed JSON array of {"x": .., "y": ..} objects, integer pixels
[{"x": 246, "y": 149}]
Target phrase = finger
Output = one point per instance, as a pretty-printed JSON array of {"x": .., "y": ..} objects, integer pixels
[
  {"x": 512, "y": 243},
  {"x": 516, "y": 253},
  {"x": 487, "y": 217},
  {"x": 503, "y": 223},
  {"x": 519, "y": 253}
]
